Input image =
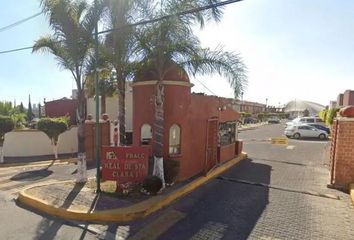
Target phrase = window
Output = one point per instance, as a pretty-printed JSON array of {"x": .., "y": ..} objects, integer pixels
[
  {"x": 145, "y": 134},
  {"x": 227, "y": 133},
  {"x": 175, "y": 140},
  {"x": 310, "y": 120}
]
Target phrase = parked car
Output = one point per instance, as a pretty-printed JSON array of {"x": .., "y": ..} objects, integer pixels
[
  {"x": 321, "y": 127},
  {"x": 305, "y": 131},
  {"x": 301, "y": 120},
  {"x": 248, "y": 120},
  {"x": 273, "y": 120}
]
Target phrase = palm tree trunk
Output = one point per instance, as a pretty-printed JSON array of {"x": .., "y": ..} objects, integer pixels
[
  {"x": 159, "y": 133},
  {"x": 121, "y": 108},
  {"x": 159, "y": 120}
]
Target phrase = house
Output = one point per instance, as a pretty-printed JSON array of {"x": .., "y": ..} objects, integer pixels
[{"x": 62, "y": 107}]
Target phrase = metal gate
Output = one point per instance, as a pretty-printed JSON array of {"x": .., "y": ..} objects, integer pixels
[{"x": 211, "y": 156}]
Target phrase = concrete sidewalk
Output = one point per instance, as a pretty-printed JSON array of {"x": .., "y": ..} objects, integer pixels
[{"x": 78, "y": 202}]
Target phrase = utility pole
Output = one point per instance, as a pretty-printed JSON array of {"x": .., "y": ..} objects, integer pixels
[{"x": 97, "y": 143}]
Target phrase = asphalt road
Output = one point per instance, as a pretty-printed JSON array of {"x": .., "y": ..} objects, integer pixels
[
  {"x": 278, "y": 193},
  {"x": 17, "y": 222}
]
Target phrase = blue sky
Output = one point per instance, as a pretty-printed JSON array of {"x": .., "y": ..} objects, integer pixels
[{"x": 293, "y": 50}]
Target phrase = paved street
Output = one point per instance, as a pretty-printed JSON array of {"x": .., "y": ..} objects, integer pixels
[
  {"x": 278, "y": 193},
  {"x": 17, "y": 222}
]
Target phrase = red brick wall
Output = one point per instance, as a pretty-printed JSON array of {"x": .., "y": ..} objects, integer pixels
[
  {"x": 227, "y": 152},
  {"x": 90, "y": 140},
  {"x": 342, "y": 153},
  {"x": 348, "y": 98}
]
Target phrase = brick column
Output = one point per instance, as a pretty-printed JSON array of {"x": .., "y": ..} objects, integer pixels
[{"x": 342, "y": 153}]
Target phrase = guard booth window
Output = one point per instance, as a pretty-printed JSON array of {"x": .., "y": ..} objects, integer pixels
[
  {"x": 227, "y": 133},
  {"x": 175, "y": 140}
]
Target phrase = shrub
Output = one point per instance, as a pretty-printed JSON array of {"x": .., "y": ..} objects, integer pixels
[
  {"x": 323, "y": 115},
  {"x": 171, "y": 170},
  {"x": 152, "y": 184},
  {"x": 53, "y": 127},
  {"x": 332, "y": 113},
  {"x": 6, "y": 125}
]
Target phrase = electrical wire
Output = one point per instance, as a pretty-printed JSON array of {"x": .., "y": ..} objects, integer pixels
[
  {"x": 2, "y": 29},
  {"x": 206, "y": 87},
  {"x": 190, "y": 11}
]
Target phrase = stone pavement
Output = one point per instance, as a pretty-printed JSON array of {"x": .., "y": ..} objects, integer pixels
[
  {"x": 233, "y": 210},
  {"x": 75, "y": 201}
]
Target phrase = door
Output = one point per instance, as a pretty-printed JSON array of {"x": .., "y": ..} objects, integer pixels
[{"x": 211, "y": 156}]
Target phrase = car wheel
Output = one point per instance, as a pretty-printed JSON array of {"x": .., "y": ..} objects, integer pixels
[
  {"x": 322, "y": 136},
  {"x": 297, "y": 135}
]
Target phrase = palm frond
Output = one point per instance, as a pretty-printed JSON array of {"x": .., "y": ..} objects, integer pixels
[{"x": 226, "y": 64}]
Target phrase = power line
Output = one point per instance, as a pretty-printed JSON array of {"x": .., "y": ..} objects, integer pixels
[
  {"x": 2, "y": 29},
  {"x": 16, "y": 50},
  {"x": 206, "y": 87},
  {"x": 190, "y": 11}
]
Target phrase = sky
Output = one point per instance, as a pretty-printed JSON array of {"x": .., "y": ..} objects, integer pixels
[{"x": 292, "y": 49}]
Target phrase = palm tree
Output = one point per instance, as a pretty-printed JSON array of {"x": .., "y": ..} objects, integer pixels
[
  {"x": 120, "y": 46},
  {"x": 107, "y": 86},
  {"x": 171, "y": 41},
  {"x": 72, "y": 23}
]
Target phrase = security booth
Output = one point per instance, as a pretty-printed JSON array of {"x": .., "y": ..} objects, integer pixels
[{"x": 199, "y": 130}]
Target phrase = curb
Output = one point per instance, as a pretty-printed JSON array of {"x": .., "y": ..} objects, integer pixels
[
  {"x": 39, "y": 163},
  {"x": 134, "y": 212},
  {"x": 351, "y": 192}
]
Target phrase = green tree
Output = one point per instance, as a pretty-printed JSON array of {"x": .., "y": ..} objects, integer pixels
[
  {"x": 53, "y": 127},
  {"x": 30, "y": 114},
  {"x": 171, "y": 43},
  {"x": 21, "y": 108},
  {"x": 120, "y": 45},
  {"x": 5, "y": 108},
  {"x": 107, "y": 86},
  {"x": 6, "y": 125},
  {"x": 72, "y": 23},
  {"x": 306, "y": 113},
  {"x": 332, "y": 113},
  {"x": 39, "y": 110}
]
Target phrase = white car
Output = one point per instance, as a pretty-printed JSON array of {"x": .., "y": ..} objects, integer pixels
[
  {"x": 305, "y": 131},
  {"x": 302, "y": 120}
]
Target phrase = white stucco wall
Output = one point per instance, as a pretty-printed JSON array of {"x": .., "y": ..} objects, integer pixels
[
  {"x": 112, "y": 109},
  {"x": 28, "y": 143}
]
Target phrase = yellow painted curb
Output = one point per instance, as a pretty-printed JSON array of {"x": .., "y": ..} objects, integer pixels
[
  {"x": 351, "y": 191},
  {"x": 130, "y": 213}
]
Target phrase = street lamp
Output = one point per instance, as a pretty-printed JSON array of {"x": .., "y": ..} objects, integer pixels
[{"x": 266, "y": 104}]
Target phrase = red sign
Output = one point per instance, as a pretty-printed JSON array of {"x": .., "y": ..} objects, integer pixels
[{"x": 124, "y": 164}]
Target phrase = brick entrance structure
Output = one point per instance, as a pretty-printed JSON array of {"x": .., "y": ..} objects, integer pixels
[{"x": 342, "y": 153}]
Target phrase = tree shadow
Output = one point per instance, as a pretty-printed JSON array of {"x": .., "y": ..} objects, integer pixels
[
  {"x": 225, "y": 209},
  {"x": 47, "y": 228},
  {"x": 34, "y": 175}
]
